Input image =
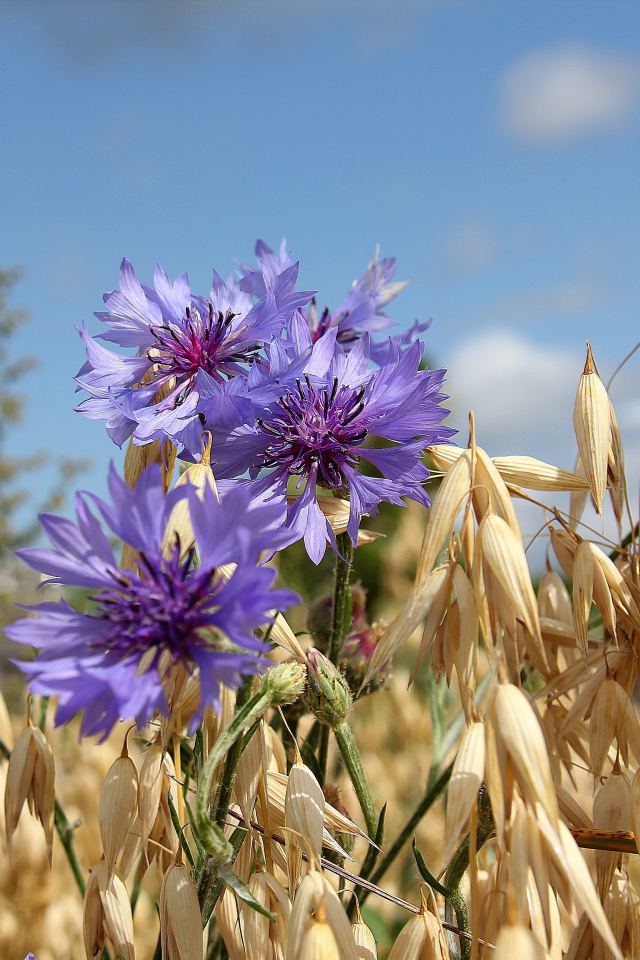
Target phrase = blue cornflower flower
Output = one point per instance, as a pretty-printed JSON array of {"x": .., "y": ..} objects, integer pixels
[
  {"x": 360, "y": 312},
  {"x": 317, "y": 421},
  {"x": 153, "y": 396},
  {"x": 113, "y": 662}
]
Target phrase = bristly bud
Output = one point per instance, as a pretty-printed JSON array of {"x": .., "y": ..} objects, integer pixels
[
  {"x": 285, "y": 683},
  {"x": 31, "y": 777},
  {"x": 328, "y": 695}
]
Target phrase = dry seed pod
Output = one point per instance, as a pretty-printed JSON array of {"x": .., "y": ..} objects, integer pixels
[
  {"x": 228, "y": 918},
  {"x": 607, "y": 717},
  {"x": 616, "y": 471},
  {"x": 491, "y": 494},
  {"x": 303, "y": 813},
  {"x": 422, "y": 938},
  {"x": 611, "y": 811},
  {"x": 333, "y": 819},
  {"x": 517, "y": 727},
  {"x": 583, "y": 571},
  {"x": 515, "y": 941},
  {"x": 466, "y": 779},
  {"x": 248, "y": 775},
  {"x": 365, "y": 940},
  {"x": 117, "y": 915},
  {"x": 444, "y": 455},
  {"x": 317, "y": 904},
  {"x": 260, "y": 933},
  {"x": 413, "y": 612},
  {"x": 503, "y": 553},
  {"x": 93, "y": 917},
  {"x": 574, "y": 871},
  {"x": 578, "y": 499},
  {"x": 446, "y": 506},
  {"x": 150, "y": 789},
  {"x": 138, "y": 458},
  {"x": 592, "y": 424},
  {"x": 199, "y": 475},
  {"x": 534, "y": 474},
  {"x": 31, "y": 776},
  {"x": 435, "y": 617},
  {"x": 180, "y": 920},
  {"x": 118, "y": 806},
  {"x": 554, "y": 601},
  {"x": 107, "y": 913}
]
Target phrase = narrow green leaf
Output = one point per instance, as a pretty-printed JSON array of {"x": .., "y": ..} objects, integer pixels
[{"x": 242, "y": 891}]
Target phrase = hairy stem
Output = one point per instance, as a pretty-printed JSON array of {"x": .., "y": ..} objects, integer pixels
[
  {"x": 453, "y": 877},
  {"x": 349, "y": 750},
  {"x": 341, "y": 616}
]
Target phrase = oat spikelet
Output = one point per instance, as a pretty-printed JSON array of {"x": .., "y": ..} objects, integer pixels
[
  {"x": 578, "y": 499},
  {"x": 534, "y": 474},
  {"x": 150, "y": 789},
  {"x": 592, "y": 424},
  {"x": 317, "y": 905},
  {"x": 583, "y": 573},
  {"x": 31, "y": 776},
  {"x": 180, "y": 920},
  {"x": 118, "y": 807},
  {"x": 422, "y": 938},
  {"x": 516, "y": 942},
  {"x": 446, "y": 506},
  {"x": 365, "y": 940},
  {"x": 607, "y": 717},
  {"x": 516, "y": 726},
  {"x": 466, "y": 779},
  {"x": 503, "y": 553},
  {"x": 413, "y": 612},
  {"x": 200, "y": 475},
  {"x": 303, "y": 813},
  {"x": 611, "y": 811},
  {"x": 554, "y": 601}
]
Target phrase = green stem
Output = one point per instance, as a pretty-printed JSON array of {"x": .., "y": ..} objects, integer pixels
[
  {"x": 341, "y": 616},
  {"x": 349, "y": 750},
  {"x": 137, "y": 885},
  {"x": 409, "y": 828},
  {"x": 453, "y": 877},
  {"x": 65, "y": 832},
  {"x": 228, "y": 777},
  {"x": 323, "y": 752}
]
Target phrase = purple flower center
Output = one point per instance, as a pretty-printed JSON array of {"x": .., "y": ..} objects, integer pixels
[
  {"x": 207, "y": 344},
  {"x": 164, "y": 609},
  {"x": 315, "y": 429}
]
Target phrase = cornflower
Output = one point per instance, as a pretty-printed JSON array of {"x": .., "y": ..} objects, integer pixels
[
  {"x": 317, "y": 423},
  {"x": 361, "y": 311},
  {"x": 113, "y": 661},
  {"x": 153, "y": 395}
]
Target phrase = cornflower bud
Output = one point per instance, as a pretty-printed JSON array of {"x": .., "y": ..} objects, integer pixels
[
  {"x": 328, "y": 695},
  {"x": 285, "y": 683}
]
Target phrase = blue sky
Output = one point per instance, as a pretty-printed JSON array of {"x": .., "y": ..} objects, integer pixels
[{"x": 492, "y": 146}]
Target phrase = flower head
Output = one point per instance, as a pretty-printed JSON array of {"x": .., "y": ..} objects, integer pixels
[
  {"x": 317, "y": 424},
  {"x": 153, "y": 395},
  {"x": 113, "y": 661},
  {"x": 361, "y": 311}
]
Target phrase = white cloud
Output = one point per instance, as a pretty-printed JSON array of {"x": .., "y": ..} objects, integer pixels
[
  {"x": 522, "y": 394},
  {"x": 559, "y": 94}
]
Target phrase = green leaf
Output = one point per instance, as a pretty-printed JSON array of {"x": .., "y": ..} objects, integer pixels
[
  {"x": 311, "y": 760},
  {"x": 426, "y": 874},
  {"x": 242, "y": 891}
]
